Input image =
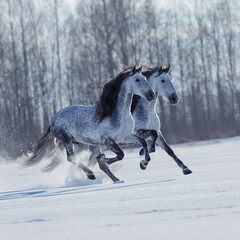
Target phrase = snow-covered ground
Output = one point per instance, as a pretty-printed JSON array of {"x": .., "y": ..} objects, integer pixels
[{"x": 158, "y": 203}]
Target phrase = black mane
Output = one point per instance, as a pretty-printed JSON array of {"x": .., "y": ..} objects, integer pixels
[
  {"x": 147, "y": 73},
  {"x": 107, "y": 101}
]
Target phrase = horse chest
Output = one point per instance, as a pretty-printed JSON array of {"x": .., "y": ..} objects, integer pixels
[
  {"x": 146, "y": 121},
  {"x": 153, "y": 122},
  {"x": 121, "y": 130}
]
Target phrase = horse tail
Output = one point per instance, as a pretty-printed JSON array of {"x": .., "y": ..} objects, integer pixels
[
  {"x": 56, "y": 158},
  {"x": 45, "y": 146},
  {"x": 52, "y": 165}
]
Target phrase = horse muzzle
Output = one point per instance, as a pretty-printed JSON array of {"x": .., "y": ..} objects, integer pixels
[
  {"x": 150, "y": 96},
  {"x": 173, "y": 99}
]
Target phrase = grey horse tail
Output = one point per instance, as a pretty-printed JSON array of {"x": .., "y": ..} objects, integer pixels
[
  {"x": 56, "y": 158},
  {"x": 44, "y": 147}
]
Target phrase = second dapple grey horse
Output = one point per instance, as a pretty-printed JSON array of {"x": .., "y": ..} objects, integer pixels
[{"x": 146, "y": 120}]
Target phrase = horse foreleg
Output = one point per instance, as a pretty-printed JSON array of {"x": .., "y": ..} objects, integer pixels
[
  {"x": 103, "y": 166},
  {"x": 101, "y": 161},
  {"x": 143, "y": 163},
  {"x": 143, "y": 133},
  {"x": 95, "y": 151},
  {"x": 161, "y": 141},
  {"x": 112, "y": 145}
]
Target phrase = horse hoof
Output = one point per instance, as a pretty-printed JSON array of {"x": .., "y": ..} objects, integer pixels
[
  {"x": 91, "y": 176},
  {"x": 186, "y": 171},
  {"x": 118, "y": 181},
  {"x": 151, "y": 150},
  {"x": 141, "y": 152},
  {"x": 143, "y": 164}
]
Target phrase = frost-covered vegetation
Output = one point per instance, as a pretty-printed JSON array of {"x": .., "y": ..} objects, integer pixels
[{"x": 51, "y": 57}]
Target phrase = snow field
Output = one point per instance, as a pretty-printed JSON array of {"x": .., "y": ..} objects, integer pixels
[{"x": 158, "y": 203}]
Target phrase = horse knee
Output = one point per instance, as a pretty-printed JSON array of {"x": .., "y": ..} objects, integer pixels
[
  {"x": 69, "y": 150},
  {"x": 154, "y": 134},
  {"x": 144, "y": 143},
  {"x": 120, "y": 155}
]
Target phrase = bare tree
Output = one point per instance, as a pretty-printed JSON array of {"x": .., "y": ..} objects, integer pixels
[{"x": 50, "y": 58}]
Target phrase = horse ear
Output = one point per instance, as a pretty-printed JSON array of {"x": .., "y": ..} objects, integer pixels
[
  {"x": 133, "y": 70},
  {"x": 160, "y": 70},
  {"x": 139, "y": 69},
  {"x": 167, "y": 68}
]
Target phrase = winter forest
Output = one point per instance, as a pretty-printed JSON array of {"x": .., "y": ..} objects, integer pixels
[{"x": 52, "y": 56}]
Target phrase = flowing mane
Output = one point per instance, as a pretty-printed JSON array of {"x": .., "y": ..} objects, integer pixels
[
  {"x": 148, "y": 73},
  {"x": 152, "y": 69},
  {"x": 107, "y": 101}
]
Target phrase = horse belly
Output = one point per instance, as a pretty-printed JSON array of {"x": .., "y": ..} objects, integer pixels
[{"x": 88, "y": 135}]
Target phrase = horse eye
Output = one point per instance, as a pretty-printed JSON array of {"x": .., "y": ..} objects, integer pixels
[
  {"x": 137, "y": 80},
  {"x": 163, "y": 81}
]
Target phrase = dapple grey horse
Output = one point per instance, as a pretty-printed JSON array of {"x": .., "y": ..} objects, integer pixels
[{"x": 106, "y": 123}]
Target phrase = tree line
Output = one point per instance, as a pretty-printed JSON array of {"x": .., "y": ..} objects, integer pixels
[{"x": 51, "y": 57}]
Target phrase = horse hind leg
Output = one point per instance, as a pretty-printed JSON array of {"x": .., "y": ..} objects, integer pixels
[
  {"x": 78, "y": 148},
  {"x": 161, "y": 141},
  {"x": 70, "y": 157},
  {"x": 55, "y": 157},
  {"x": 92, "y": 159}
]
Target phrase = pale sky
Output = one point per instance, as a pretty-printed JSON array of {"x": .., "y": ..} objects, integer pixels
[{"x": 160, "y": 3}]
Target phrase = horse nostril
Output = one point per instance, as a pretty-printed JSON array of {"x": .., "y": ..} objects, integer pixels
[
  {"x": 152, "y": 95},
  {"x": 174, "y": 98}
]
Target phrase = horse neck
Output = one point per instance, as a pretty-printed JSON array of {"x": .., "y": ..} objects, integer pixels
[
  {"x": 143, "y": 104},
  {"x": 151, "y": 106},
  {"x": 124, "y": 101},
  {"x": 146, "y": 106}
]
